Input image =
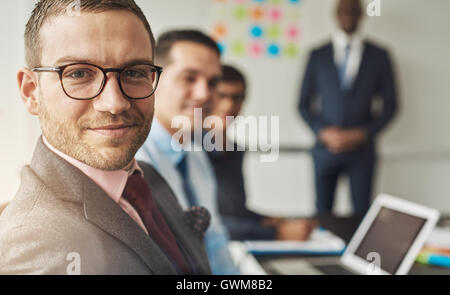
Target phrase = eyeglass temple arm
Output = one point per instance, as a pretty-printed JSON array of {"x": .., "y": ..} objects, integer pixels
[{"x": 46, "y": 69}]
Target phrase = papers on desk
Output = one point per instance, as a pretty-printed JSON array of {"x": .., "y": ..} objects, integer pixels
[
  {"x": 244, "y": 261},
  {"x": 437, "y": 248},
  {"x": 321, "y": 242},
  {"x": 439, "y": 238}
]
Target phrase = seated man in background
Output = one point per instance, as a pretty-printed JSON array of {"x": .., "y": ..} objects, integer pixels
[
  {"x": 242, "y": 223},
  {"x": 85, "y": 206},
  {"x": 191, "y": 62}
]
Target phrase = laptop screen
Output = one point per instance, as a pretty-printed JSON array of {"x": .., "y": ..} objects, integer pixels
[{"x": 391, "y": 235}]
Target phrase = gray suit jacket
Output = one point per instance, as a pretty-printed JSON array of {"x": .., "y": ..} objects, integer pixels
[{"x": 61, "y": 222}]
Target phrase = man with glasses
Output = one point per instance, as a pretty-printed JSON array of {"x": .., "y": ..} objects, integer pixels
[
  {"x": 242, "y": 223},
  {"x": 85, "y": 205}
]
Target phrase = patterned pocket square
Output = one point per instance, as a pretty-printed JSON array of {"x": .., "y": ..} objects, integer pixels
[{"x": 198, "y": 219}]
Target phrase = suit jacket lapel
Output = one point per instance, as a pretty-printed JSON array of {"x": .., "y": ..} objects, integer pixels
[
  {"x": 332, "y": 68},
  {"x": 362, "y": 67},
  {"x": 70, "y": 184},
  {"x": 101, "y": 210}
]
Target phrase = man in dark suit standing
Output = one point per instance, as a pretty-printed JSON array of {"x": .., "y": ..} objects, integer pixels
[
  {"x": 85, "y": 205},
  {"x": 342, "y": 80}
]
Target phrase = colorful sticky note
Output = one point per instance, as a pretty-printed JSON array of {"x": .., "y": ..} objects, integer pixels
[
  {"x": 219, "y": 31},
  {"x": 292, "y": 33},
  {"x": 256, "y": 31},
  {"x": 273, "y": 32},
  {"x": 238, "y": 47},
  {"x": 293, "y": 15},
  {"x": 291, "y": 50},
  {"x": 240, "y": 13},
  {"x": 220, "y": 13},
  {"x": 273, "y": 50},
  {"x": 275, "y": 14},
  {"x": 255, "y": 49},
  {"x": 257, "y": 13},
  {"x": 276, "y": 1},
  {"x": 222, "y": 47}
]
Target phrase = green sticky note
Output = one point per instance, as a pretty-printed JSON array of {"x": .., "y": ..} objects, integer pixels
[
  {"x": 240, "y": 13},
  {"x": 291, "y": 50},
  {"x": 275, "y": 1},
  {"x": 273, "y": 32},
  {"x": 293, "y": 15},
  {"x": 238, "y": 48}
]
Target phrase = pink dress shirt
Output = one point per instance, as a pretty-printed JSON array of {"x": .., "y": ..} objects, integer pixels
[{"x": 112, "y": 182}]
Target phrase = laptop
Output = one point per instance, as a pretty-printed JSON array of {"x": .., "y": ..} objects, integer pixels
[{"x": 387, "y": 241}]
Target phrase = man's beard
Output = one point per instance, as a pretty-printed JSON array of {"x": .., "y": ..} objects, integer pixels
[{"x": 69, "y": 137}]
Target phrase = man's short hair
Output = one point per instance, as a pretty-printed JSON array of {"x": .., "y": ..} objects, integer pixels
[
  {"x": 45, "y": 9},
  {"x": 168, "y": 39},
  {"x": 231, "y": 74}
]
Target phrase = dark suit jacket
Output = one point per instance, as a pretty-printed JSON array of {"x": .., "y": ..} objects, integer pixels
[
  {"x": 59, "y": 211},
  {"x": 324, "y": 103},
  {"x": 242, "y": 224}
]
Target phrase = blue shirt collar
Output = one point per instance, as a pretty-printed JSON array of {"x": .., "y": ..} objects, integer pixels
[{"x": 163, "y": 141}]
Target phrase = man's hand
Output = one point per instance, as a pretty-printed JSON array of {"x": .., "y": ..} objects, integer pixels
[
  {"x": 339, "y": 140},
  {"x": 296, "y": 229}
]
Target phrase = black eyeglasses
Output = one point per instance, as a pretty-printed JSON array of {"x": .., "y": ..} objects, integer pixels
[{"x": 84, "y": 81}]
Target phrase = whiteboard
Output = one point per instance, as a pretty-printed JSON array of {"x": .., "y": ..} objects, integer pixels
[{"x": 414, "y": 31}]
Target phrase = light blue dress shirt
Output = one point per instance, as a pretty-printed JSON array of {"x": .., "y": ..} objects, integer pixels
[{"x": 158, "y": 151}]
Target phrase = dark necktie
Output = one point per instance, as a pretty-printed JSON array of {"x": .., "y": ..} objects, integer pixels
[
  {"x": 190, "y": 195},
  {"x": 138, "y": 194}
]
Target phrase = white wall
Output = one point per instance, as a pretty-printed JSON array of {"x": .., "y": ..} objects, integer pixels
[{"x": 415, "y": 162}]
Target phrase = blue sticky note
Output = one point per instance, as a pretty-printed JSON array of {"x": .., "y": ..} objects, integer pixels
[
  {"x": 273, "y": 50},
  {"x": 221, "y": 47},
  {"x": 256, "y": 31}
]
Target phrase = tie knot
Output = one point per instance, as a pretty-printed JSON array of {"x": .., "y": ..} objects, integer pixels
[{"x": 137, "y": 191}]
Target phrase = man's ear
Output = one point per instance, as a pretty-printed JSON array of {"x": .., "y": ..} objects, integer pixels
[{"x": 28, "y": 86}]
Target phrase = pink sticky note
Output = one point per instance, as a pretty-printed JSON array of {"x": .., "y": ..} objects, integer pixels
[
  {"x": 255, "y": 49},
  {"x": 292, "y": 33},
  {"x": 275, "y": 14}
]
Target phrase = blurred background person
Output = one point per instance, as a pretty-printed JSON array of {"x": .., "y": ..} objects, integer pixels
[
  {"x": 242, "y": 223},
  {"x": 341, "y": 81},
  {"x": 191, "y": 62}
]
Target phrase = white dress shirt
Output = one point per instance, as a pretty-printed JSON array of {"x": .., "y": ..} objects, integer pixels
[{"x": 340, "y": 40}]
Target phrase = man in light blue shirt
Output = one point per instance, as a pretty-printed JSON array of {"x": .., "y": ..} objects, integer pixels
[{"x": 191, "y": 62}]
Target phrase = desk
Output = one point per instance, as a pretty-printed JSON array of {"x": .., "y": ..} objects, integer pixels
[{"x": 344, "y": 227}]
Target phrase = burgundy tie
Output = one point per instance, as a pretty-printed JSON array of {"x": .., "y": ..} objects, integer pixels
[{"x": 138, "y": 194}]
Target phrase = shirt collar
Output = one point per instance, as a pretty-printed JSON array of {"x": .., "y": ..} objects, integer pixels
[
  {"x": 112, "y": 182},
  {"x": 341, "y": 39},
  {"x": 163, "y": 141}
]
